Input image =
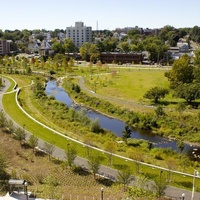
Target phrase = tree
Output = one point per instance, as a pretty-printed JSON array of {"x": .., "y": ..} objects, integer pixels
[
  {"x": 126, "y": 133},
  {"x": 69, "y": 46},
  {"x": 156, "y": 93},
  {"x": 189, "y": 92},
  {"x": 20, "y": 134},
  {"x": 94, "y": 163},
  {"x": 49, "y": 149},
  {"x": 159, "y": 111},
  {"x": 71, "y": 154},
  {"x": 182, "y": 72},
  {"x": 124, "y": 177},
  {"x": 89, "y": 51},
  {"x": 3, "y": 120},
  {"x": 197, "y": 57},
  {"x": 33, "y": 141},
  {"x": 160, "y": 185},
  {"x": 111, "y": 147},
  {"x": 95, "y": 126},
  {"x": 138, "y": 157},
  {"x": 10, "y": 126},
  {"x": 58, "y": 47},
  {"x": 3, "y": 166},
  {"x": 171, "y": 165},
  {"x": 124, "y": 46}
]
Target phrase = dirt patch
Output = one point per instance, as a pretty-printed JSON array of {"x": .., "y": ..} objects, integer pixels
[{"x": 51, "y": 178}]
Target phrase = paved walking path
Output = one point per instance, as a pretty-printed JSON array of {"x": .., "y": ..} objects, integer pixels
[{"x": 173, "y": 192}]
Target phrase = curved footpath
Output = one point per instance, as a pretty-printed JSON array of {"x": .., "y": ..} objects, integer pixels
[{"x": 174, "y": 193}]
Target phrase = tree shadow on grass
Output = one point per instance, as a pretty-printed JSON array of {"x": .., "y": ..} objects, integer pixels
[
  {"x": 104, "y": 181},
  {"x": 81, "y": 171},
  {"x": 185, "y": 184}
]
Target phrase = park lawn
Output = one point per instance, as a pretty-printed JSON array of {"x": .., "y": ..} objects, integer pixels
[{"x": 129, "y": 84}]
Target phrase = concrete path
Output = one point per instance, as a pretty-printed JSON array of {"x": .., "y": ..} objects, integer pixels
[{"x": 173, "y": 192}]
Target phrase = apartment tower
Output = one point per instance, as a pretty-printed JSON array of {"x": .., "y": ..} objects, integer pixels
[{"x": 79, "y": 34}]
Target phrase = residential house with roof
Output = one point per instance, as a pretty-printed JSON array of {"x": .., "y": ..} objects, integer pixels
[{"x": 45, "y": 48}]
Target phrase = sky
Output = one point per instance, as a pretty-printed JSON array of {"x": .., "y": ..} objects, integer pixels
[{"x": 99, "y": 14}]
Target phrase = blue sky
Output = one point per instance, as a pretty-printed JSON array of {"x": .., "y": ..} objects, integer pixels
[{"x": 110, "y": 14}]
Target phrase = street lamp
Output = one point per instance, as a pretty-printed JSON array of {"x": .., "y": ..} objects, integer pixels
[
  {"x": 196, "y": 173},
  {"x": 102, "y": 193},
  {"x": 160, "y": 187},
  {"x": 26, "y": 190}
]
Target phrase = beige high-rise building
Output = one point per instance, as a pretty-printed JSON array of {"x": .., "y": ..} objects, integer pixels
[{"x": 79, "y": 33}]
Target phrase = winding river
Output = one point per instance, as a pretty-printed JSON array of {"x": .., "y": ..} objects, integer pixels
[{"x": 114, "y": 125}]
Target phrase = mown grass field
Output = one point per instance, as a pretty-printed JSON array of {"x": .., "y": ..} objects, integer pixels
[{"x": 127, "y": 83}]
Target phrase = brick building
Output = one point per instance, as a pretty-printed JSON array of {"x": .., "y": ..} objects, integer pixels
[{"x": 121, "y": 58}]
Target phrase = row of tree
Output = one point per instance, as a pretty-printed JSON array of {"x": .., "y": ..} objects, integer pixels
[{"x": 136, "y": 41}]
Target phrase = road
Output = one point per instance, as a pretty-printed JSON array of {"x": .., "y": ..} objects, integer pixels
[{"x": 173, "y": 192}]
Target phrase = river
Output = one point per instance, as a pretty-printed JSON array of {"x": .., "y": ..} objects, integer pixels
[{"x": 114, "y": 125}]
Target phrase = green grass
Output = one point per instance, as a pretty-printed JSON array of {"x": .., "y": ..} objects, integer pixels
[
  {"x": 18, "y": 116},
  {"x": 127, "y": 84}
]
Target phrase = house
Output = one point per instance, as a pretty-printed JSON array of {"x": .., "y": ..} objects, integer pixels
[
  {"x": 45, "y": 48},
  {"x": 34, "y": 46}
]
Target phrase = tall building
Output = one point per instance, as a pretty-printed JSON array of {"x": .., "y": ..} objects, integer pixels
[
  {"x": 4, "y": 47},
  {"x": 79, "y": 33}
]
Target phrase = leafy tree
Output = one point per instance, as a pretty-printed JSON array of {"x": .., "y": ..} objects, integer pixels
[
  {"x": 197, "y": 57},
  {"x": 10, "y": 126},
  {"x": 20, "y": 135},
  {"x": 126, "y": 133},
  {"x": 58, "y": 47},
  {"x": 195, "y": 34},
  {"x": 3, "y": 120},
  {"x": 111, "y": 147},
  {"x": 69, "y": 46},
  {"x": 182, "y": 72},
  {"x": 95, "y": 126},
  {"x": 71, "y": 154},
  {"x": 160, "y": 185},
  {"x": 180, "y": 145},
  {"x": 163, "y": 34},
  {"x": 124, "y": 46},
  {"x": 124, "y": 177},
  {"x": 40, "y": 37},
  {"x": 94, "y": 162},
  {"x": 189, "y": 92},
  {"x": 3, "y": 165},
  {"x": 156, "y": 93},
  {"x": 33, "y": 141},
  {"x": 159, "y": 111},
  {"x": 89, "y": 51},
  {"x": 138, "y": 157},
  {"x": 49, "y": 149}
]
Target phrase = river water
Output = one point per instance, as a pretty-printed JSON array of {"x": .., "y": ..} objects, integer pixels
[{"x": 114, "y": 125}]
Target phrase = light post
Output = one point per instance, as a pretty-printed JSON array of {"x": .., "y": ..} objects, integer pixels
[
  {"x": 102, "y": 189},
  {"x": 26, "y": 190},
  {"x": 160, "y": 187},
  {"x": 196, "y": 173}
]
